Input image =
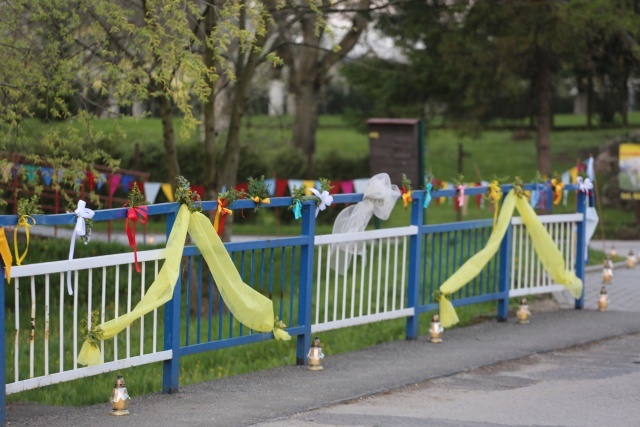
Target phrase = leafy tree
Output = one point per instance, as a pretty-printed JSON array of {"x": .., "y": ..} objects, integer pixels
[{"x": 309, "y": 60}]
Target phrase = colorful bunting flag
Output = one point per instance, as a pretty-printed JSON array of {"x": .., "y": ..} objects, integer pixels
[{"x": 151, "y": 190}]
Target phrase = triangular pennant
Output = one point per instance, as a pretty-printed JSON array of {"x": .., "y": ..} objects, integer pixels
[
  {"x": 32, "y": 172},
  {"x": 151, "y": 190},
  {"x": 6, "y": 171},
  {"x": 102, "y": 178},
  {"x": 281, "y": 187},
  {"x": 47, "y": 174},
  {"x": 91, "y": 180},
  {"x": 127, "y": 181},
  {"x": 294, "y": 183},
  {"x": 167, "y": 191},
  {"x": 360, "y": 184},
  {"x": 271, "y": 186},
  {"x": 114, "y": 181},
  {"x": 308, "y": 183},
  {"x": 335, "y": 187},
  {"x": 198, "y": 189},
  {"x": 347, "y": 187}
]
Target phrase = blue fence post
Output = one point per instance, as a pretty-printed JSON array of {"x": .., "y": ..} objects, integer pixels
[
  {"x": 306, "y": 281},
  {"x": 504, "y": 275},
  {"x": 581, "y": 247},
  {"x": 415, "y": 250},
  {"x": 3, "y": 351},
  {"x": 171, "y": 367}
]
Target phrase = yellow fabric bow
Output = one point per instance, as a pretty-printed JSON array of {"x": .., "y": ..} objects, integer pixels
[
  {"x": 5, "y": 252},
  {"x": 247, "y": 305},
  {"x": 257, "y": 200},
  {"x": 22, "y": 222},
  {"x": 495, "y": 194},
  {"x": 547, "y": 251},
  {"x": 406, "y": 199}
]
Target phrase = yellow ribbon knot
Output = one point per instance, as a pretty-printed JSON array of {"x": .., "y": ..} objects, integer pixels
[
  {"x": 5, "y": 252},
  {"x": 495, "y": 194},
  {"x": 23, "y": 221},
  {"x": 257, "y": 200},
  {"x": 406, "y": 199}
]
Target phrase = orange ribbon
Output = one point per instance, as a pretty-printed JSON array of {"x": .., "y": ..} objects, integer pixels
[
  {"x": 22, "y": 222},
  {"x": 5, "y": 252},
  {"x": 221, "y": 215},
  {"x": 558, "y": 187},
  {"x": 406, "y": 198},
  {"x": 133, "y": 215}
]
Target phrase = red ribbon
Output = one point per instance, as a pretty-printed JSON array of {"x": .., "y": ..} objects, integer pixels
[{"x": 133, "y": 215}]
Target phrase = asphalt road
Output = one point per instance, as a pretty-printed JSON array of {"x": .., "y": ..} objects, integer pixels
[{"x": 590, "y": 385}]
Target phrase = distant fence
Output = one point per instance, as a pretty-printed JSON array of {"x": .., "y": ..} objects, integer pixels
[{"x": 394, "y": 275}]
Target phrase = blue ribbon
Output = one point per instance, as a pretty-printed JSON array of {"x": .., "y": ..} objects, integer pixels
[
  {"x": 297, "y": 210},
  {"x": 427, "y": 195},
  {"x": 536, "y": 195}
]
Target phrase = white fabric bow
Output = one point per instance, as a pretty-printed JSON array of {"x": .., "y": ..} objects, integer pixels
[
  {"x": 325, "y": 199},
  {"x": 584, "y": 185},
  {"x": 80, "y": 229},
  {"x": 379, "y": 198}
]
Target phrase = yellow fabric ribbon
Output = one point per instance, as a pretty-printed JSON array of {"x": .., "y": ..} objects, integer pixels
[
  {"x": 558, "y": 186},
  {"x": 308, "y": 184},
  {"x": 247, "y": 305},
  {"x": 573, "y": 173},
  {"x": 495, "y": 194},
  {"x": 23, "y": 221},
  {"x": 547, "y": 251},
  {"x": 5, "y": 252},
  {"x": 258, "y": 200},
  {"x": 219, "y": 211},
  {"x": 406, "y": 199}
]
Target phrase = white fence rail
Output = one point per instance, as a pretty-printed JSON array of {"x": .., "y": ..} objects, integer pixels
[
  {"x": 527, "y": 274},
  {"x": 49, "y": 337},
  {"x": 349, "y": 290}
]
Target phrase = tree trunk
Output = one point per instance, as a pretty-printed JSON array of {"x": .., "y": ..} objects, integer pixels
[
  {"x": 168, "y": 135},
  {"x": 309, "y": 72},
  {"x": 209, "y": 112},
  {"x": 543, "y": 110},
  {"x": 589, "y": 102},
  {"x": 306, "y": 123}
]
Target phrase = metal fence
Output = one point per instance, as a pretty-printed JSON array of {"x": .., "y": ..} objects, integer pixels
[{"x": 391, "y": 273}]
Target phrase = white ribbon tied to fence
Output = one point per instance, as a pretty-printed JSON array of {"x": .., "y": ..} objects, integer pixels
[
  {"x": 80, "y": 229},
  {"x": 379, "y": 199},
  {"x": 326, "y": 199}
]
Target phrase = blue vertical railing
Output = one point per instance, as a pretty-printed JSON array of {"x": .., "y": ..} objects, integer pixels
[
  {"x": 415, "y": 250},
  {"x": 583, "y": 199}
]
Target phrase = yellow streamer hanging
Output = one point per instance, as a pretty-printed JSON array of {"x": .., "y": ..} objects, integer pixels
[
  {"x": 5, "y": 253},
  {"x": 247, "y": 305},
  {"x": 23, "y": 221},
  {"x": 547, "y": 251}
]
